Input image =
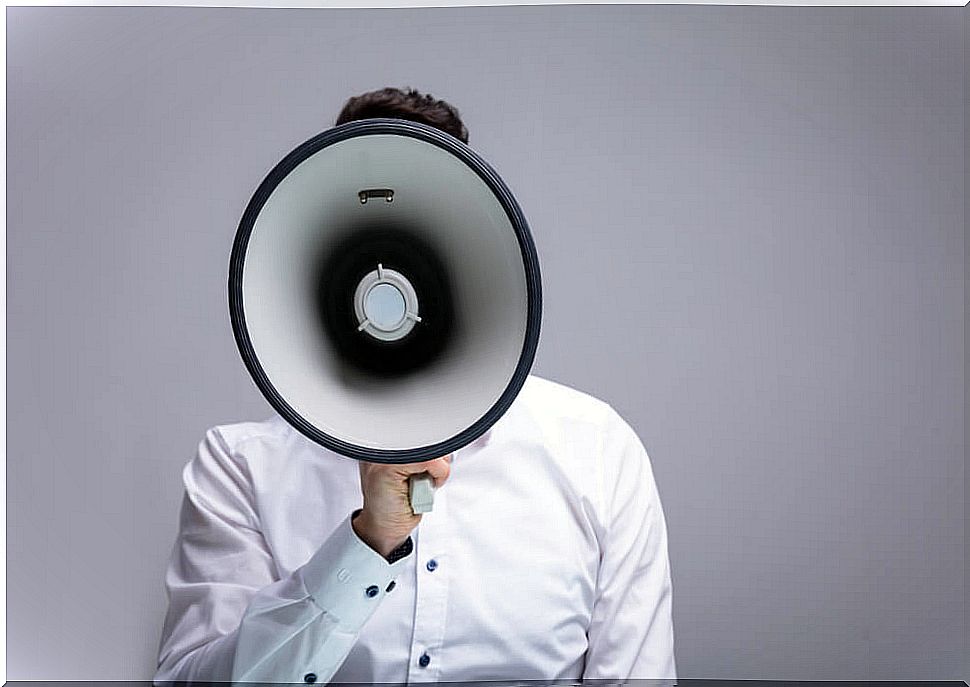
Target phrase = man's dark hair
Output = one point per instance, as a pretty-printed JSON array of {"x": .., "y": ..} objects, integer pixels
[{"x": 410, "y": 104}]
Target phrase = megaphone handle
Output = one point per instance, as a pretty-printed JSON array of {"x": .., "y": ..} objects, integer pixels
[{"x": 421, "y": 493}]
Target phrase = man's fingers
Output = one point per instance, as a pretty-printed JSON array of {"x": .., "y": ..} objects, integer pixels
[
  {"x": 439, "y": 469},
  {"x": 423, "y": 466},
  {"x": 404, "y": 468}
]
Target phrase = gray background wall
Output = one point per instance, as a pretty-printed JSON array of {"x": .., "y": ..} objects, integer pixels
[{"x": 751, "y": 226}]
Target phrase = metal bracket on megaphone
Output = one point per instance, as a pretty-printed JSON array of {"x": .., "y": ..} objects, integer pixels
[{"x": 421, "y": 493}]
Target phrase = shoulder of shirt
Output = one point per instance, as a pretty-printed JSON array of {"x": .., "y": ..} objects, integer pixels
[
  {"x": 565, "y": 403},
  {"x": 564, "y": 410},
  {"x": 236, "y": 433}
]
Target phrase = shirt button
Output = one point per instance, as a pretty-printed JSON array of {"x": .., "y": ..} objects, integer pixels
[
  {"x": 310, "y": 678},
  {"x": 390, "y": 586},
  {"x": 432, "y": 565},
  {"x": 424, "y": 660},
  {"x": 372, "y": 591}
]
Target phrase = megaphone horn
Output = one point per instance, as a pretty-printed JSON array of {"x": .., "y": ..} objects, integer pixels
[{"x": 384, "y": 291}]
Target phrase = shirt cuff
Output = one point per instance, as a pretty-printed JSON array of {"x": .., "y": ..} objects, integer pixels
[{"x": 347, "y": 579}]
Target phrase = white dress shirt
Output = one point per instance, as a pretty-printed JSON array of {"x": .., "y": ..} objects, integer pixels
[{"x": 545, "y": 558}]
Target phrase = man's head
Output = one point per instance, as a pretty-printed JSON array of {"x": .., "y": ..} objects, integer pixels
[{"x": 400, "y": 104}]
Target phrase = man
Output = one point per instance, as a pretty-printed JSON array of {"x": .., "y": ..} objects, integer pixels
[{"x": 545, "y": 557}]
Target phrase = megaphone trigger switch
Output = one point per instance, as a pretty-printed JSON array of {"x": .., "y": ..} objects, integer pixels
[{"x": 386, "y": 304}]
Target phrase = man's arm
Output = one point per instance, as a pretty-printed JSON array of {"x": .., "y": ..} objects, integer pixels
[
  {"x": 229, "y": 617},
  {"x": 631, "y": 632}
]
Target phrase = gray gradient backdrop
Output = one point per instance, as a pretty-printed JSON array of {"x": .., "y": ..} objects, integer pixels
[{"x": 751, "y": 226}]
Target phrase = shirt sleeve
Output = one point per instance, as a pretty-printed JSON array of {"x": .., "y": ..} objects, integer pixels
[
  {"x": 631, "y": 629},
  {"x": 231, "y": 618}
]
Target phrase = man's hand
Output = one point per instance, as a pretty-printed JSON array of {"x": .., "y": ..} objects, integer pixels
[{"x": 387, "y": 519}]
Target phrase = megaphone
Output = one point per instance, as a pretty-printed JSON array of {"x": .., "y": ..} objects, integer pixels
[{"x": 384, "y": 292}]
